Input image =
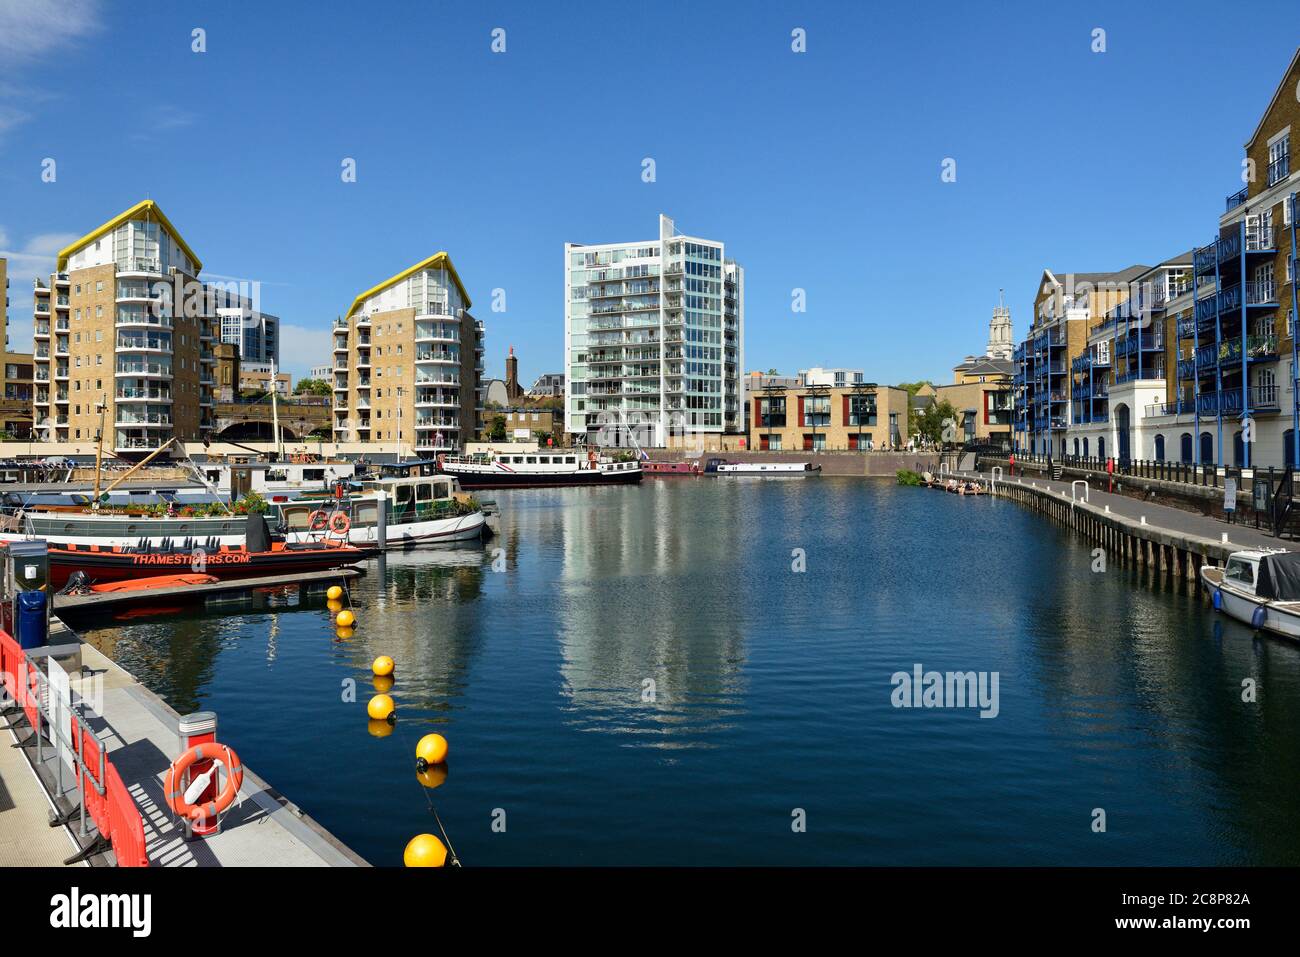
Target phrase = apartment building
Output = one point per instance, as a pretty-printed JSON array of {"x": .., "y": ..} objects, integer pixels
[
  {"x": 1068, "y": 306},
  {"x": 654, "y": 341},
  {"x": 1120, "y": 378},
  {"x": 408, "y": 357},
  {"x": 124, "y": 335},
  {"x": 259, "y": 377},
  {"x": 815, "y": 417},
  {"x": 839, "y": 378},
  {"x": 255, "y": 333},
  {"x": 16, "y": 369},
  {"x": 1234, "y": 341}
]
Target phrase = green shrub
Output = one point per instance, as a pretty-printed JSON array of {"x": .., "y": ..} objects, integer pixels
[{"x": 908, "y": 477}]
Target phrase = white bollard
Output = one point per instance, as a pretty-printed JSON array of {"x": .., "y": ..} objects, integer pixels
[
  {"x": 1107, "y": 509},
  {"x": 1144, "y": 519},
  {"x": 1225, "y": 538}
]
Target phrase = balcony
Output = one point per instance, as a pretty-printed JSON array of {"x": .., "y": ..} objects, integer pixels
[
  {"x": 1279, "y": 169},
  {"x": 1236, "y": 199}
]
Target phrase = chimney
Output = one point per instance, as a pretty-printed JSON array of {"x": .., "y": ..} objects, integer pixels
[{"x": 513, "y": 392}]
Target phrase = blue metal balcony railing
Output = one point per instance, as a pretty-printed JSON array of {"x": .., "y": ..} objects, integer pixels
[{"x": 1237, "y": 198}]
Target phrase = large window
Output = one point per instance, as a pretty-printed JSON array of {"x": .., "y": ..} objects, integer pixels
[
  {"x": 817, "y": 410},
  {"x": 862, "y": 410},
  {"x": 771, "y": 412}
]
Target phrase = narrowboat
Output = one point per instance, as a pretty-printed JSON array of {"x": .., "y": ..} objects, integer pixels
[{"x": 721, "y": 467}]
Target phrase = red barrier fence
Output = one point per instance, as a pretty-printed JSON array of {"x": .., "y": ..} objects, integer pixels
[{"x": 104, "y": 798}]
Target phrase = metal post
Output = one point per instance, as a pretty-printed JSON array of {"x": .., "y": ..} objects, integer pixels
[{"x": 381, "y": 521}]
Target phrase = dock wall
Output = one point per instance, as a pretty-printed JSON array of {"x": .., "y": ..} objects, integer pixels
[
  {"x": 1173, "y": 554},
  {"x": 870, "y": 464}
]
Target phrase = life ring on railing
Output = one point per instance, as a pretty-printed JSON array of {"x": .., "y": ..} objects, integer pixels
[
  {"x": 340, "y": 523},
  {"x": 318, "y": 520},
  {"x": 180, "y": 801}
]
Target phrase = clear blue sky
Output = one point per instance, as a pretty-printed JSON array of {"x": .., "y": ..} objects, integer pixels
[{"x": 818, "y": 170}]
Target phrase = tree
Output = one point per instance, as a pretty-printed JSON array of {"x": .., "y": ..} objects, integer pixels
[
  {"x": 498, "y": 432},
  {"x": 912, "y": 388},
  {"x": 938, "y": 423},
  {"x": 313, "y": 387}
]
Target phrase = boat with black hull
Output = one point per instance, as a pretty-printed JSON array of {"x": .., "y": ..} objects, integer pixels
[{"x": 557, "y": 468}]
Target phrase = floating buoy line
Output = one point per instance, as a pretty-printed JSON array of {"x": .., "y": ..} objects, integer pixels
[{"x": 423, "y": 850}]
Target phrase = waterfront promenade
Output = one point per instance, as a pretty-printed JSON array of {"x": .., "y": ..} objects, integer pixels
[{"x": 1180, "y": 522}]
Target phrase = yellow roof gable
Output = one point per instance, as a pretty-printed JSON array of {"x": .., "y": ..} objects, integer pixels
[
  {"x": 148, "y": 207},
  {"x": 439, "y": 259}
]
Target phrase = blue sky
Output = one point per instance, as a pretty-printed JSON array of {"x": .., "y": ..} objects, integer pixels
[{"x": 819, "y": 170}]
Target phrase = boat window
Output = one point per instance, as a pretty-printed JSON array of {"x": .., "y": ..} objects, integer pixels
[
  {"x": 366, "y": 514},
  {"x": 1240, "y": 571},
  {"x": 295, "y": 517},
  {"x": 441, "y": 490},
  {"x": 277, "y": 475},
  {"x": 423, "y": 492},
  {"x": 517, "y": 460},
  {"x": 544, "y": 460},
  {"x": 569, "y": 460},
  {"x": 403, "y": 495},
  {"x": 313, "y": 475},
  {"x": 531, "y": 460}
]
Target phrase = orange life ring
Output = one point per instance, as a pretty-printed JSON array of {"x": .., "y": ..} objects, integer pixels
[
  {"x": 318, "y": 520},
  {"x": 174, "y": 793},
  {"x": 340, "y": 523}
]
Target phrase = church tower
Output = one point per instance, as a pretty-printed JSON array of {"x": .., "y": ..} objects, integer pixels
[{"x": 1000, "y": 346}]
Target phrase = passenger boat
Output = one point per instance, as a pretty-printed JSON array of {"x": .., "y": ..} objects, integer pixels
[
  {"x": 1260, "y": 588},
  {"x": 421, "y": 511},
  {"x": 721, "y": 467},
  {"x": 541, "y": 469},
  {"x": 261, "y": 556},
  {"x": 670, "y": 468}
]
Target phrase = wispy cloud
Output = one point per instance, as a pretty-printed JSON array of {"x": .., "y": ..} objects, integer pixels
[
  {"x": 35, "y": 258},
  {"x": 163, "y": 119},
  {"x": 31, "y": 28},
  {"x": 301, "y": 348}
]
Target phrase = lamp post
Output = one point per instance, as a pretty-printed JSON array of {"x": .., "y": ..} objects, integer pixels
[
  {"x": 817, "y": 392},
  {"x": 860, "y": 391}
]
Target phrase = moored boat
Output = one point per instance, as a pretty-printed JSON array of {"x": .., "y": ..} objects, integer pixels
[
  {"x": 426, "y": 510},
  {"x": 671, "y": 468},
  {"x": 554, "y": 468},
  {"x": 721, "y": 467},
  {"x": 1260, "y": 588},
  {"x": 260, "y": 556}
]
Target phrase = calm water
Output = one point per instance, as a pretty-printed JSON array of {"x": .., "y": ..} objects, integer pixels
[{"x": 772, "y": 689}]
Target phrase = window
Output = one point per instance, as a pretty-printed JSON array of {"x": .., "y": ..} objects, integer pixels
[
  {"x": 1279, "y": 158},
  {"x": 1160, "y": 448},
  {"x": 1185, "y": 447},
  {"x": 1240, "y": 570}
]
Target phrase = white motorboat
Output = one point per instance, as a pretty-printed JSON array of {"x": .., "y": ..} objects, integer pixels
[{"x": 1260, "y": 588}]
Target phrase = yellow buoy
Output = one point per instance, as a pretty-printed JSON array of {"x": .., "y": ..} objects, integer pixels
[
  {"x": 383, "y": 683},
  {"x": 424, "y": 850},
  {"x": 381, "y": 707},
  {"x": 380, "y": 729},
  {"x": 334, "y": 593},
  {"x": 432, "y": 749},
  {"x": 383, "y": 665},
  {"x": 343, "y": 634},
  {"x": 345, "y": 619},
  {"x": 431, "y": 777},
  {"x": 334, "y": 606}
]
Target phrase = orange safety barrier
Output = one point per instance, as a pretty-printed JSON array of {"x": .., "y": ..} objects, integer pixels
[
  {"x": 125, "y": 826},
  {"x": 104, "y": 796}
]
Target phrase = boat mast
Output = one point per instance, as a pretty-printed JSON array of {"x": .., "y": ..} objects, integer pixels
[
  {"x": 275, "y": 415},
  {"x": 99, "y": 451}
]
